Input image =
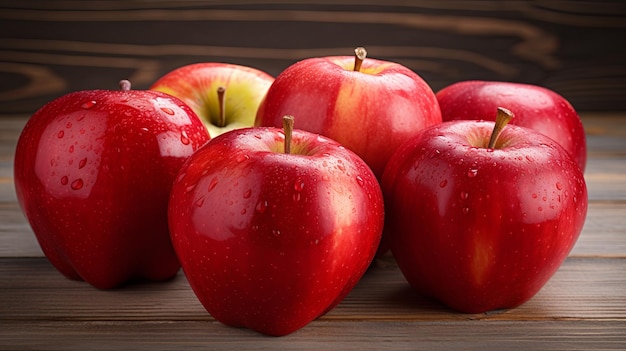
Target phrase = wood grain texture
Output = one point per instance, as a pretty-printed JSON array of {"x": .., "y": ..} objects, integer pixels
[{"x": 572, "y": 47}]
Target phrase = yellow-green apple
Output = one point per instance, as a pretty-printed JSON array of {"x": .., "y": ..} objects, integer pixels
[
  {"x": 272, "y": 237},
  {"x": 482, "y": 226},
  {"x": 535, "y": 107},
  {"x": 93, "y": 173},
  {"x": 367, "y": 105},
  {"x": 225, "y": 96}
]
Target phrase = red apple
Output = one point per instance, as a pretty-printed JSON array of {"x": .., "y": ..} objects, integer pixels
[
  {"x": 93, "y": 172},
  {"x": 225, "y": 96},
  {"x": 535, "y": 107},
  {"x": 369, "y": 106},
  {"x": 271, "y": 240},
  {"x": 482, "y": 227}
]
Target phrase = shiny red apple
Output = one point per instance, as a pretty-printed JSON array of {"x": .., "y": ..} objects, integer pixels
[
  {"x": 225, "y": 96},
  {"x": 482, "y": 227},
  {"x": 271, "y": 239},
  {"x": 535, "y": 107},
  {"x": 93, "y": 172},
  {"x": 369, "y": 106}
]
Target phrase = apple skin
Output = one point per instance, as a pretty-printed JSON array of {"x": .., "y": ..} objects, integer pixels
[
  {"x": 482, "y": 229},
  {"x": 535, "y": 107},
  {"x": 196, "y": 84},
  {"x": 93, "y": 170},
  {"x": 271, "y": 241},
  {"x": 371, "y": 111}
]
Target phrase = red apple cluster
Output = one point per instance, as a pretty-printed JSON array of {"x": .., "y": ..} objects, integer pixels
[{"x": 273, "y": 226}]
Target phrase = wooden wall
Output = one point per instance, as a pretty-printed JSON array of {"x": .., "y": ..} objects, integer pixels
[{"x": 48, "y": 48}]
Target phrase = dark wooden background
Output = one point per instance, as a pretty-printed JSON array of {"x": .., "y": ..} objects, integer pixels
[{"x": 48, "y": 48}]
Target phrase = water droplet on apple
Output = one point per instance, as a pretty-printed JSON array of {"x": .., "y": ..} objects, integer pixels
[
  {"x": 464, "y": 195},
  {"x": 82, "y": 163},
  {"x": 534, "y": 196},
  {"x": 200, "y": 202},
  {"x": 443, "y": 183},
  {"x": 472, "y": 173},
  {"x": 184, "y": 138},
  {"x": 276, "y": 232},
  {"x": 60, "y": 134},
  {"x": 559, "y": 186},
  {"x": 247, "y": 194},
  {"x": 465, "y": 210},
  {"x": 89, "y": 104},
  {"x": 360, "y": 181},
  {"x": 77, "y": 184},
  {"x": 213, "y": 183},
  {"x": 296, "y": 197},
  {"x": 242, "y": 157},
  {"x": 261, "y": 206},
  {"x": 539, "y": 208},
  {"x": 64, "y": 180},
  {"x": 71, "y": 149},
  {"x": 167, "y": 110},
  {"x": 298, "y": 185}
]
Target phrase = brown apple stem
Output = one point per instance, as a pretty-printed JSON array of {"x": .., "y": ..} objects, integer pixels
[
  {"x": 124, "y": 85},
  {"x": 288, "y": 129},
  {"x": 221, "y": 101},
  {"x": 359, "y": 55},
  {"x": 503, "y": 117}
]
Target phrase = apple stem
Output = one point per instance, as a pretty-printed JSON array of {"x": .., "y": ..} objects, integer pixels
[
  {"x": 503, "y": 117},
  {"x": 359, "y": 55},
  {"x": 221, "y": 101},
  {"x": 288, "y": 129},
  {"x": 124, "y": 85}
]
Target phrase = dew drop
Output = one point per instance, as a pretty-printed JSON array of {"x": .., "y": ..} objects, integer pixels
[
  {"x": 64, "y": 180},
  {"x": 296, "y": 197},
  {"x": 60, "y": 134},
  {"x": 184, "y": 138},
  {"x": 213, "y": 183},
  {"x": 276, "y": 232},
  {"x": 243, "y": 211},
  {"x": 71, "y": 149},
  {"x": 167, "y": 110},
  {"x": 298, "y": 185},
  {"x": 242, "y": 157},
  {"x": 341, "y": 167},
  {"x": 472, "y": 173},
  {"x": 443, "y": 183},
  {"x": 200, "y": 202},
  {"x": 68, "y": 125},
  {"x": 261, "y": 206},
  {"x": 559, "y": 186},
  {"x": 82, "y": 163},
  {"x": 247, "y": 194},
  {"x": 77, "y": 184},
  {"x": 360, "y": 181},
  {"x": 534, "y": 196},
  {"x": 464, "y": 195},
  {"x": 539, "y": 208},
  {"x": 465, "y": 210},
  {"x": 89, "y": 104}
]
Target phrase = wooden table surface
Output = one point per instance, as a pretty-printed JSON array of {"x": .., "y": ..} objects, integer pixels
[{"x": 582, "y": 307}]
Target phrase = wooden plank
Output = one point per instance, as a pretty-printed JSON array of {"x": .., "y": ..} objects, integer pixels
[
  {"x": 604, "y": 233},
  {"x": 49, "y": 48},
  {"x": 583, "y": 288},
  {"x": 320, "y": 335}
]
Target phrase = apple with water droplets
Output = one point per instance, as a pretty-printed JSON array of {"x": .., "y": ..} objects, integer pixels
[
  {"x": 369, "y": 106},
  {"x": 93, "y": 171},
  {"x": 272, "y": 228},
  {"x": 535, "y": 107},
  {"x": 225, "y": 96},
  {"x": 480, "y": 216}
]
